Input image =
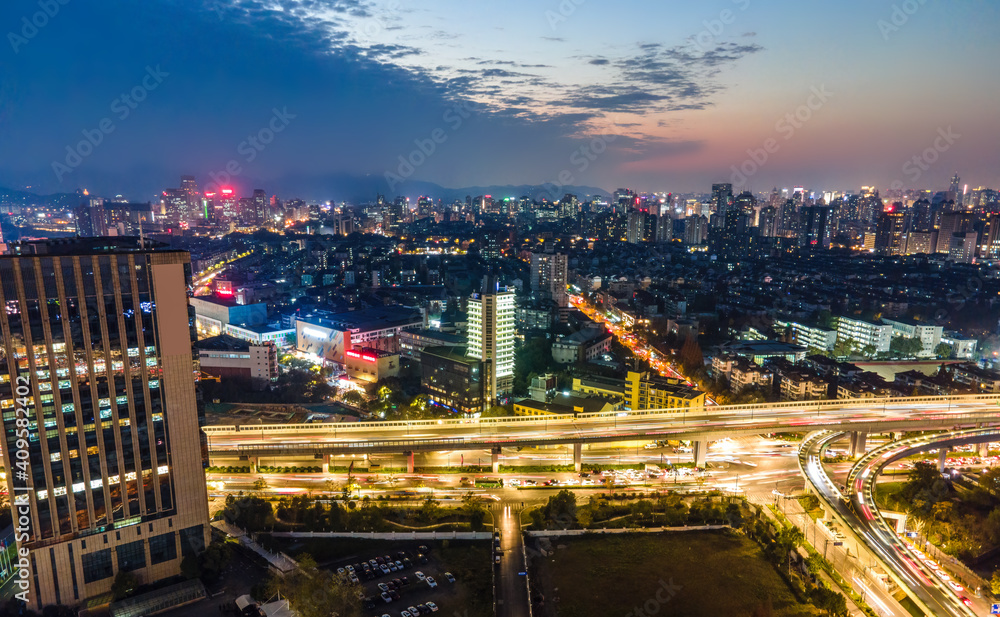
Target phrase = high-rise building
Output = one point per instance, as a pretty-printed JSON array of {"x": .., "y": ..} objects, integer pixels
[
  {"x": 227, "y": 205},
  {"x": 734, "y": 240},
  {"x": 722, "y": 196},
  {"x": 549, "y": 274},
  {"x": 636, "y": 227},
  {"x": 766, "y": 220},
  {"x": 491, "y": 337},
  {"x": 816, "y": 226},
  {"x": 664, "y": 227},
  {"x": 255, "y": 210},
  {"x": 695, "y": 229},
  {"x": 952, "y": 223},
  {"x": 788, "y": 220},
  {"x": 100, "y": 413},
  {"x": 175, "y": 205},
  {"x": 890, "y": 234},
  {"x": 190, "y": 188},
  {"x": 963, "y": 247},
  {"x": 956, "y": 186},
  {"x": 91, "y": 219}
]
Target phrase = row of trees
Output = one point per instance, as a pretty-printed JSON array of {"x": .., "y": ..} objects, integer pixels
[
  {"x": 304, "y": 513},
  {"x": 964, "y": 523}
]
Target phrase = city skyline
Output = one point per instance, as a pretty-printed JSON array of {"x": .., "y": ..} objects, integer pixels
[{"x": 660, "y": 98}]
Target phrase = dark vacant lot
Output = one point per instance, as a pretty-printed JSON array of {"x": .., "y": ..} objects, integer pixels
[{"x": 691, "y": 574}]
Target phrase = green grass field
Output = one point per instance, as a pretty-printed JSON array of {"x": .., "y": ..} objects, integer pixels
[{"x": 707, "y": 573}]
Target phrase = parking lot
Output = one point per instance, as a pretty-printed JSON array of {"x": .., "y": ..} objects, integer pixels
[{"x": 403, "y": 579}]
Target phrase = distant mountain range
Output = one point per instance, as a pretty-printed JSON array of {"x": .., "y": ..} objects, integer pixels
[{"x": 338, "y": 187}]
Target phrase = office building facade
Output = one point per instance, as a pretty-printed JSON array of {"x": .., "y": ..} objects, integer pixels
[
  {"x": 97, "y": 361},
  {"x": 491, "y": 336}
]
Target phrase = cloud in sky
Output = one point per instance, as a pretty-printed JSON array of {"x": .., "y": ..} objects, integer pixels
[{"x": 370, "y": 78}]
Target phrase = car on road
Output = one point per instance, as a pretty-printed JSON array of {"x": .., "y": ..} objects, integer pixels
[
  {"x": 966, "y": 601},
  {"x": 955, "y": 586},
  {"x": 434, "y": 607},
  {"x": 423, "y": 558},
  {"x": 431, "y": 582},
  {"x": 449, "y": 577},
  {"x": 419, "y": 575}
]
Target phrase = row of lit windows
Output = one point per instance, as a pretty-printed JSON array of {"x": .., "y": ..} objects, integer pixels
[{"x": 79, "y": 487}]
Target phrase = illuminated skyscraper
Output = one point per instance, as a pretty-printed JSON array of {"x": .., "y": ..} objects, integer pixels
[
  {"x": 101, "y": 424},
  {"x": 491, "y": 337}
]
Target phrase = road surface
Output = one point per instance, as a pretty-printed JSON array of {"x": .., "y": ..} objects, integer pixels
[
  {"x": 937, "y": 599},
  {"x": 511, "y": 580}
]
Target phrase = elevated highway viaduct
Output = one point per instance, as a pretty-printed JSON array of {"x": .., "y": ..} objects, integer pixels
[{"x": 700, "y": 425}]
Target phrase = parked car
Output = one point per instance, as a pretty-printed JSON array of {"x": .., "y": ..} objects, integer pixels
[
  {"x": 431, "y": 582},
  {"x": 434, "y": 607},
  {"x": 449, "y": 577},
  {"x": 419, "y": 575}
]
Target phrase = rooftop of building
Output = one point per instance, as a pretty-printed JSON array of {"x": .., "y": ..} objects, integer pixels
[
  {"x": 455, "y": 353},
  {"x": 604, "y": 383},
  {"x": 761, "y": 348},
  {"x": 568, "y": 404},
  {"x": 221, "y": 300},
  {"x": 436, "y": 335},
  {"x": 87, "y": 246},
  {"x": 375, "y": 318},
  {"x": 264, "y": 328},
  {"x": 222, "y": 342},
  {"x": 584, "y": 336},
  {"x": 970, "y": 368},
  {"x": 369, "y": 352}
]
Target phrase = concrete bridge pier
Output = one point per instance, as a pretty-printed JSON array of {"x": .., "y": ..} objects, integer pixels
[
  {"x": 700, "y": 453},
  {"x": 495, "y": 459},
  {"x": 983, "y": 449},
  {"x": 254, "y": 461},
  {"x": 578, "y": 457},
  {"x": 409, "y": 462},
  {"x": 859, "y": 441},
  {"x": 942, "y": 458}
]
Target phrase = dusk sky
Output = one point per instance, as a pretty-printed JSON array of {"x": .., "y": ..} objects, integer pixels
[{"x": 674, "y": 95}]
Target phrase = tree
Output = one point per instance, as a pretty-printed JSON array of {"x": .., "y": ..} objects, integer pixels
[
  {"x": 353, "y": 397},
  {"x": 532, "y": 358},
  {"x": 476, "y": 511},
  {"x": 691, "y": 356},
  {"x": 125, "y": 583},
  {"x": 314, "y": 592},
  {"x": 561, "y": 509},
  {"x": 213, "y": 561},
  {"x": 904, "y": 347},
  {"x": 830, "y": 601},
  {"x": 734, "y": 515},
  {"x": 995, "y": 583},
  {"x": 944, "y": 351}
]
